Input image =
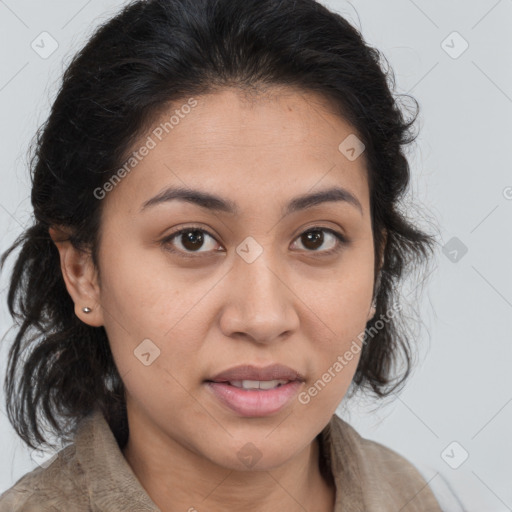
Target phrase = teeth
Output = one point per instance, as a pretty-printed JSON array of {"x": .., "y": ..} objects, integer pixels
[
  {"x": 269, "y": 384},
  {"x": 257, "y": 384}
]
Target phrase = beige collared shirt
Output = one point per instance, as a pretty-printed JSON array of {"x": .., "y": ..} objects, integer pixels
[{"x": 92, "y": 475}]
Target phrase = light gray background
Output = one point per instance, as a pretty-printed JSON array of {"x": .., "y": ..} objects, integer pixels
[{"x": 461, "y": 391}]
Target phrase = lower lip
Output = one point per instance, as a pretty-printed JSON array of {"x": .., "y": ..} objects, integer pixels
[{"x": 254, "y": 402}]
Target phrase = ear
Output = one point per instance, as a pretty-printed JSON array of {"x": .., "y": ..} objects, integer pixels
[
  {"x": 80, "y": 276},
  {"x": 373, "y": 308}
]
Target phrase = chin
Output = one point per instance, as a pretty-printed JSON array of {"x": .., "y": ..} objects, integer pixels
[{"x": 254, "y": 453}]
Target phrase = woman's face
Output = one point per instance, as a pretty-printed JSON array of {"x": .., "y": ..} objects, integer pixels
[{"x": 266, "y": 283}]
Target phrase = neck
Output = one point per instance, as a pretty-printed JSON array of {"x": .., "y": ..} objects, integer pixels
[{"x": 193, "y": 483}]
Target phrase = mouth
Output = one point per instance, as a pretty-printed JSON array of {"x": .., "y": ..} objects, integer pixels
[
  {"x": 251, "y": 373},
  {"x": 250, "y": 391},
  {"x": 255, "y": 384}
]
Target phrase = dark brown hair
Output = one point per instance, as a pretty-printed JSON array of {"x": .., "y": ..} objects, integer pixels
[{"x": 150, "y": 54}]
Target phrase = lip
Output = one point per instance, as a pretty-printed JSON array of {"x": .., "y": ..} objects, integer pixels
[
  {"x": 252, "y": 403},
  {"x": 251, "y": 372},
  {"x": 256, "y": 402}
]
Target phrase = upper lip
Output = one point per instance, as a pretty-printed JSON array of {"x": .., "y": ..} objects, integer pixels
[{"x": 250, "y": 372}]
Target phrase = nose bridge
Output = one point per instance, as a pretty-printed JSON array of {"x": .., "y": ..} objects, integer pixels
[
  {"x": 262, "y": 307},
  {"x": 256, "y": 265},
  {"x": 261, "y": 278}
]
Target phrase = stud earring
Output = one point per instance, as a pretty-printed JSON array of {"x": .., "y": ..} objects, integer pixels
[{"x": 86, "y": 310}]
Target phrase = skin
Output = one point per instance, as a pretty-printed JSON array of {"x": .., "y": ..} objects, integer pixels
[{"x": 293, "y": 305}]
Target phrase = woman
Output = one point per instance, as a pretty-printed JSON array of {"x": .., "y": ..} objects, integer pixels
[{"x": 213, "y": 263}]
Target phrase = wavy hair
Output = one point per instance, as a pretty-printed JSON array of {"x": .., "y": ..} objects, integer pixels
[{"x": 150, "y": 54}]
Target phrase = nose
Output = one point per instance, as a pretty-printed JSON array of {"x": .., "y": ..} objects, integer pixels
[{"x": 260, "y": 304}]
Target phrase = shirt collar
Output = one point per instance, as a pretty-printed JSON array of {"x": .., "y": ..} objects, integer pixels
[
  {"x": 111, "y": 482},
  {"x": 339, "y": 463}
]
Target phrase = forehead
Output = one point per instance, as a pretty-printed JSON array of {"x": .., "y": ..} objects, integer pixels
[{"x": 284, "y": 142}]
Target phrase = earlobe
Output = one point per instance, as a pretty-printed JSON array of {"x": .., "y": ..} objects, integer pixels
[
  {"x": 373, "y": 310},
  {"x": 80, "y": 277}
]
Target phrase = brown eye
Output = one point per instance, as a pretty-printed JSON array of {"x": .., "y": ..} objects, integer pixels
[
  {"x": 313, "y": 239},
  {"x": 190, "y": 240}
]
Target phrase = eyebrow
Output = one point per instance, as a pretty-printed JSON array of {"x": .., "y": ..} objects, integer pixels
[{"x": 219, "y": 204}]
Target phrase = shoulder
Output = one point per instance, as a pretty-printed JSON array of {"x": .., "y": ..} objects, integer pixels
[
  {"x": 55, "y": 487},
  {"x": 386, "y": 477},
  {"x": 377, "y": 458}
]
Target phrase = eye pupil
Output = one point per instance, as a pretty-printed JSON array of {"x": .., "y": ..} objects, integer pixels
[
  {"x": 314, "y": 236},
  {"x": 194, "y": 237}
]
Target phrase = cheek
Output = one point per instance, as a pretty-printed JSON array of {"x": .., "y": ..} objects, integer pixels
[
  {"x": 321, "y": 397},
  {"x": 339, "y": 304},
  {"x": 336, "y": 320},
  {"x": 336, "y": 355},
  {"x": 140, "y": 296},
  {"x": 153, "y": 318}
]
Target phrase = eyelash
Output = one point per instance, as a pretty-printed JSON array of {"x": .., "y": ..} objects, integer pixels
[{"x": 166, "y": 242}]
